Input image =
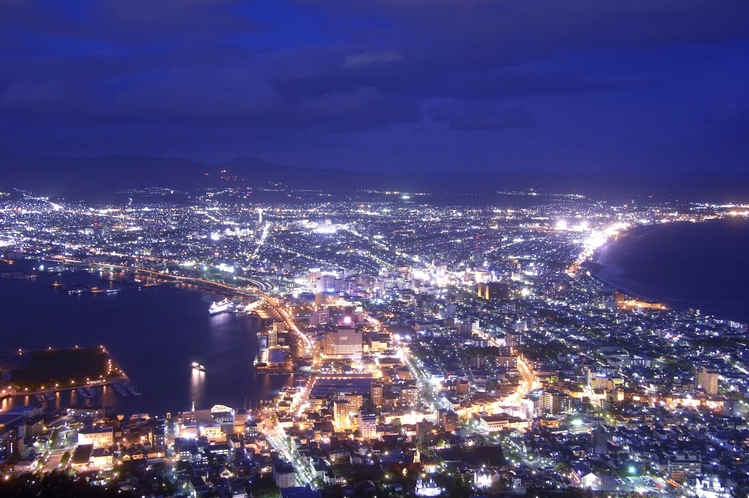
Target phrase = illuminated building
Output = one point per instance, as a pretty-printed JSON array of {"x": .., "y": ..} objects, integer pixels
[
  {"x": 284, "y": 475},
  {"x": 427, "y": 488},
  {"x": 501, "y": 421},
  {"x": 493, "y": 290},
  {"x": 367, "y": 425},
  {"x": 102, "y": 437},
  {"x": 222, "y": 414},
  {"x": 345, "y": 340},
  {"x": 553, "y": 401},
  {"x": 448, "y": 420},
  {"x": 683, "y": 465},
  {"x": 707, "y": 380},
  {"x": 341, "y": 413},
  {"x": 376, "y": 393},
  {"x": 213, "y": 432},
  {"x": 513, "y": 339},
  {"x": 409, "y": 395},
  {"x": 355, "y": 402}
]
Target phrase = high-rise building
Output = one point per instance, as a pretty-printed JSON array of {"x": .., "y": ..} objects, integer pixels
[
  {"x": 367, "y": 424},
  {"x": 448, "y": 420},
  {"x": 345, "y": 340},
  {"x": 510, "y": 362},
  {"x": 326, "y": 283},
  {"x": 684, "y": 465},
  {"x": 284, "y": 475},
  {"x": 355, "y": 402},
  {"x": 707, "y": 380},
  {"x": 553, "y": 401},
  {"x": 341, "y": 414},
  {"x": 319, "y": 317},
  {"x": 409, "y": 395},
  {"x": 732, "y": 408},
  {"x": 600, "y": 441},
  {"x": 423, "y": 431},
  {"x": 513, "y": 339},
  {"x": 376, "y": 391}
]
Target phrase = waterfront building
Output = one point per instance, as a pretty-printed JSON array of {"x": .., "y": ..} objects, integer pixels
[{"x": 99, "y": 437}]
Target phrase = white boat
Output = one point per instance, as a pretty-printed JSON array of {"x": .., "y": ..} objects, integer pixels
[
  {"x": 198, "y": 366},
  {"x": 221, "y": 306}
]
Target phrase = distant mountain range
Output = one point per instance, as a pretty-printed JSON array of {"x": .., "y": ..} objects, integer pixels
[{"x": 100, "y": 179}]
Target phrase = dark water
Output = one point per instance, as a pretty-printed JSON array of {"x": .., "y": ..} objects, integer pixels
[
  {"x": 153, "y": 333},
  {"x": 702, "y": 266}
]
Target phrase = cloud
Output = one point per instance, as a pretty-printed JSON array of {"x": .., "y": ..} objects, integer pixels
[
  {"x": 364, "y": 108},
  {"x": 486, "y": 117},
  {"x": 368, "y": 58},
  {"x": 244, "y": 70}
]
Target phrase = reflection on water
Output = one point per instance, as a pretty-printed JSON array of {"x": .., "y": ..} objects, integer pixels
[
  {"x": 197, "y": 387},
  {"x": 153, "y": 333}
]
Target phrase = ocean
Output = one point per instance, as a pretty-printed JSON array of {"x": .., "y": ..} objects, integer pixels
[
  {"x": 702, "y": 266},
  {"x": 153, "y": 333}
]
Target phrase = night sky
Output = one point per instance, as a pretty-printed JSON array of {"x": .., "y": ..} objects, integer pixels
[{"x": 387, "y": 85}]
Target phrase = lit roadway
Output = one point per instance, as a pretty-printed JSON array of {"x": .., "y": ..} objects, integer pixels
[
  {"x": 276, "y": 436},
  {"x": 525, "y": 386}
]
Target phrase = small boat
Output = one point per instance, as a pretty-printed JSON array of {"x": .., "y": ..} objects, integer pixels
[{"x": 197, "y": 366}]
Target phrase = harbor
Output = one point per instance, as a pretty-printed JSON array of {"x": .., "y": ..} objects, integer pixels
[{"x": 143, "y": 343}]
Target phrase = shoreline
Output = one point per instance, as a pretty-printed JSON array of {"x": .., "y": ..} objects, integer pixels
[
  {"x": 262, "y": 388},
  {"x": 601, "y": 266},
  {"x": 10, "y": 391},
  {"x": 621, "y": 285}
]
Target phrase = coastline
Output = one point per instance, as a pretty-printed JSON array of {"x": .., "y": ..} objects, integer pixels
[
  {"x": 682, "y": 265},
  {"x": 603, "y": 265},
  {"x": 143, "y": 343}
]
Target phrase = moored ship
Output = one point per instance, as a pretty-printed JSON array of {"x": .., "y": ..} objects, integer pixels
[{"x": 221, "y": 306}]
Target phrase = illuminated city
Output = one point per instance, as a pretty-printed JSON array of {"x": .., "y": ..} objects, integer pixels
[
  {"x": 374, "y": 249},
  {"x": 434, "y": 350}
]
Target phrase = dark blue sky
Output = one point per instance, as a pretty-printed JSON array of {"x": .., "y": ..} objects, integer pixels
[{"x": 390, "y": 85}]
